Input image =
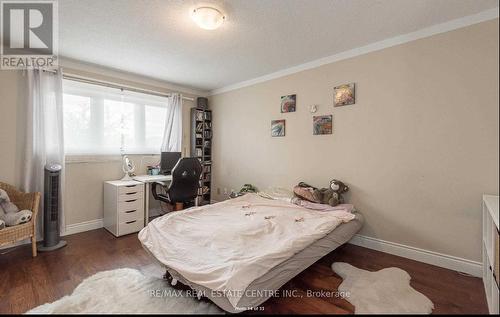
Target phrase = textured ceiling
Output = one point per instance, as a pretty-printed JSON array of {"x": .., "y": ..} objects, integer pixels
[{"x": 158, "y": 39}]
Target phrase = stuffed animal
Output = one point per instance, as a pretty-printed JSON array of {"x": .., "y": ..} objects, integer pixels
[
  {"x": 10, "y": 214},
  {"x": 333, "y": 195},
  {"x": 2, "y": 224},
  {"x": 247, "y": 188}
]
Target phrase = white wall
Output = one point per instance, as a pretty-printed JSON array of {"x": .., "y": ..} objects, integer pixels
[
  {"x": 418, "y": 149},
  {"x": 12, "y": 119}
]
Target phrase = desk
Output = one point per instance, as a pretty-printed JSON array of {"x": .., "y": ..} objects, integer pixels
[{"x": 147, "y": 180}]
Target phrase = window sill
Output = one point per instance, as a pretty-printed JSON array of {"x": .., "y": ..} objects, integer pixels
[{"x": 99, "y": 158}]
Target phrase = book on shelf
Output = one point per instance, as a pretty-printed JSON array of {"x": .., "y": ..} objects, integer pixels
[
  {"x": 203, "y": 190},
  {"x": 199, "y": 116},
  {"x": 199, "y": 127}
]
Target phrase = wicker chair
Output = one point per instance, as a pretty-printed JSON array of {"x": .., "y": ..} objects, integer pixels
[{"x": 30, "y": 201}]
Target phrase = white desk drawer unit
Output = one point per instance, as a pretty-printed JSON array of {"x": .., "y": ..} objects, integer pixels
[
  {"x": 491, "y": 237},
  {"x": 123, "y": 207}
]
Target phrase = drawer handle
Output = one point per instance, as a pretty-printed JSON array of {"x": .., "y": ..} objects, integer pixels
[
  {"x": 131, "y": 193},
  {"x": 129, "y": 201},
  {"x": 129, "y": 211},
  {"x": 129, "y": 222},
  {"x": 130, "y": 186}
]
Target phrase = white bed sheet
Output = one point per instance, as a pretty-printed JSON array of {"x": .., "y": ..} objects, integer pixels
[{"x": 226, "y": 246}]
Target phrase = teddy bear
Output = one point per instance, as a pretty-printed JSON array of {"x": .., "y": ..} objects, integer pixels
[
  {"x": 10, "y": 214},
  {"x": 333, "y": 195}
]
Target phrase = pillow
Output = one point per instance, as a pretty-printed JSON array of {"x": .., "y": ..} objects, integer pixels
[
  {"x": 307, "y": 192},
  {"x": 278, "y": 193}
]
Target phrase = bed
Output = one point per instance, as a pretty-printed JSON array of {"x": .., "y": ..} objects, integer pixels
[{"x": 239, "y": 252}]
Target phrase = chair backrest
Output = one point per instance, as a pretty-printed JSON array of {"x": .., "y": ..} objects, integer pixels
[{"x": 185, "y": 180}]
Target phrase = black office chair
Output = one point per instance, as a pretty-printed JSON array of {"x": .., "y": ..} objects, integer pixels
[{"x": 184, "y": 185}]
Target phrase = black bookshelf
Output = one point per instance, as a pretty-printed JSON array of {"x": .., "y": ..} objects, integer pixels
[{"x": 201, "y": 148}]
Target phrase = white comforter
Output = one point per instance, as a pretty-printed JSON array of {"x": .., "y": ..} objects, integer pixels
[{"x": 226, "y": 246}]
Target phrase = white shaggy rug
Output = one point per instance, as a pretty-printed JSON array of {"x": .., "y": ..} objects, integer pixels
[
  {"x": 126, "y": 291},
  {"x": 386, "y": 291}
]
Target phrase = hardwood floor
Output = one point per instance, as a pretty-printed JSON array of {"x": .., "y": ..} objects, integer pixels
[{"x": 26, "y": 282}]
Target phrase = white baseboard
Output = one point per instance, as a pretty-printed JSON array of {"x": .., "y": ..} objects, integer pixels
[
  {"x": 438, "y": 259},
  {"x": 83, "y": 226}
]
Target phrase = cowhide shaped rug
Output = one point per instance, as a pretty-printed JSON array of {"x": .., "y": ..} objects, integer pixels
[
  {"x": 386, "y": 291},
  {"x": 126, "y": 291}
]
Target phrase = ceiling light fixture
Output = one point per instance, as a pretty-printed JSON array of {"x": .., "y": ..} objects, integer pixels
[{"x": 208, "y": 18}]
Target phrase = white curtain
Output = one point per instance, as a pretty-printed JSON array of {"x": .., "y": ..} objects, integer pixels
[
  {"x": 44, "y": 132},
  {"x": 172, "y": 136}
]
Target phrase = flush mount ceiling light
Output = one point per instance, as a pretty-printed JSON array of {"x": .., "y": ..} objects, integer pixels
[{"x": 208, "y": 18}]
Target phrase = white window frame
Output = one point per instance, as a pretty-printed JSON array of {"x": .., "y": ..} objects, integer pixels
[{"x": 97, "y": 126}]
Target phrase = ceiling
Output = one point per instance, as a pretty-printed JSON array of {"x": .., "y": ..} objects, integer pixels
[{"x": 158, "y": 39}]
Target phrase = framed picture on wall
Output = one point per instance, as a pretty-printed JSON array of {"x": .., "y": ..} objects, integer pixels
[
  {"x": 288, "y": 103},
  {"x": 322, "y": 125},
  {"x": 344, "y": 95},
  {"x": 277, "y": 128}
]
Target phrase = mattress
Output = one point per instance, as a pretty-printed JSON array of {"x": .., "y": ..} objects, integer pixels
[
  {"x": 226, "y": 246},
  {"x": 264, "y": 287}
]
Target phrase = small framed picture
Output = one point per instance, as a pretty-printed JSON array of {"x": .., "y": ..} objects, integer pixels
[
  {"x": 322, "y": 125},
  {"x": 277, "y": 128},
  {"x": 288, "y": 103},
  {"x": 344, "y": 95}
]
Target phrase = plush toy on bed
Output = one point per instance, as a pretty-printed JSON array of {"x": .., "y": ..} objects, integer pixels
[
  {"x": 10, "y": 214},
  {"x": 247, "y": 188},
  {"x": 333, "y": 195}
]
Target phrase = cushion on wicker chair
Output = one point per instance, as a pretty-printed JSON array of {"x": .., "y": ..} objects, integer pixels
[{"x": 10, "y": 213}]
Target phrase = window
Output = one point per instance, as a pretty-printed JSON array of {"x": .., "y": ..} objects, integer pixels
[{"x": 103, "y": 120}]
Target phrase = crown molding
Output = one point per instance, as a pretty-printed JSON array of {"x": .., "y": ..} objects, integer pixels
[
  {"x": 401, "y": 39},
  {"x": 81, "y": 66}
]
